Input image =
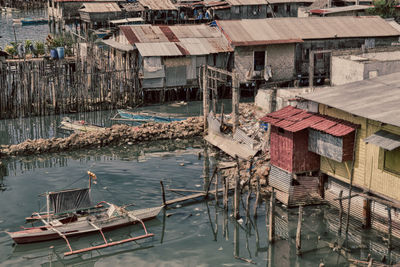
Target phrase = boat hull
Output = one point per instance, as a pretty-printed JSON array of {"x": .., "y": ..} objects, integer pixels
[
  {"x": 79, "y": 228},
  {"x": 144, "y": 117}
]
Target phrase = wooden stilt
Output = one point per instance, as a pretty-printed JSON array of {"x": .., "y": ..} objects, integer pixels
[
  {"x": 163, "y": 193},
  {"x": 340, "y": 212},
  {"x": 226, "y": 187},
  {"x": 256, "y": 202},
  {"x": 216, "y": 187},
  {"x": 389, "y": 209},
  {"x": 271, "y": 232},
  {"x": 236, "y": 201},
  {"x": 298, "y": 233}
]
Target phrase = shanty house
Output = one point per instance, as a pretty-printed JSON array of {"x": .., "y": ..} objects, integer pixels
[
  {"x": 159, "y": 11},
  {"x": 286, "y": 8},
  {"x": 297, "y": 140},
  {"x": 278, "y": 50},
  {"x": 69, "y": 9},
  {"x": 355, "y": 10},
  {"x": 170, "y": 56},
  {"x": 375, "y": 173},
  {"x": 245, "y": 9},
  {"x": 100, "y": 14}
]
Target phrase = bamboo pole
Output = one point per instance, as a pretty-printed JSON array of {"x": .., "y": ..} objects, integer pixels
[
  {"x": 236, "y": 201},
  {"x": 298, "y": 232},
  {"x": 163, "y": 193},
  {"x": 205, "y": 97},
  {"x": 271, "y": 232},
  {"x": 340, "y": 212}
]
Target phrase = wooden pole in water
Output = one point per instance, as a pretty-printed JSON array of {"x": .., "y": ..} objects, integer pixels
[
  {"x": 235, "y": 101},
  {"x": 257, "y": 197},
  {"x": 389, "y": 209},
  {"x": 298, "y": 233},
  {"x": 367, "y": 213},
  {"x": 340, "y": 211},
  {"x": 216, "y": 187},
  {"x": 236, "y": 202},
  {"x": 249, "y": 191},
  {"x": 205, "y": 97},
  {"x": 226, "y": 188},
  {"x": 163, "y": 193},
  {"x": 271, "y": 232}
]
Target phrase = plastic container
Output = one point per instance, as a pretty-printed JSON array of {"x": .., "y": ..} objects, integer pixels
[
  {"x": 53, "y": 54},
  {"x": 60, "y": 52}
]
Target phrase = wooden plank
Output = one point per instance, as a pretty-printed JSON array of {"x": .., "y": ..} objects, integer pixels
[
  {"x": 194, "y": 196},
  {"x": 230, "y": 147}
]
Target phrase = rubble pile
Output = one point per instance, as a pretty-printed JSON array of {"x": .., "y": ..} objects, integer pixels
[{"x": 115, "y": 135}]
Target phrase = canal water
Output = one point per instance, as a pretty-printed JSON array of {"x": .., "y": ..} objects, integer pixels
[
  {"x": 22, "y": 33},
  {"x": 195, "y": 234}
]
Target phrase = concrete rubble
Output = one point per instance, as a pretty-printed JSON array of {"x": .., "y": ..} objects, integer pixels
[{"x": 115, "y": 135}]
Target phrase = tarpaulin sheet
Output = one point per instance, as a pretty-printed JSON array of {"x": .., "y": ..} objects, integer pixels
[{"x": 70, "y": 200}]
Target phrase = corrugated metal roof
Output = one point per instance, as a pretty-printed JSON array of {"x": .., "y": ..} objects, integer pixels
[
  {"x": 158, "y": 49},
  {"x": 246, "y": 2},
  {"x": 384, "y": 140},
  {"x": 293, "y": 120},
  {"x": 100, "y": 7},
  {"x": 333, "y": 10},
  {"x": 376, "y": 99},
  {"x": 187, "y": 39},
  {"x": 109, "y": 1},
  {"x": 127, "y": 20},
  {"x": 117, "y": 45},
  {"x": 289, "y": 30},
  {"x": 158, "y": 4},
  {"x": 289, "y": 1}
]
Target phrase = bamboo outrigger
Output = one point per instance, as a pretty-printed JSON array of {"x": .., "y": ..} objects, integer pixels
[{"x": 69, "y": 214}]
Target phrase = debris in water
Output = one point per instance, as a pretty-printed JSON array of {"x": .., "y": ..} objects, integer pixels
[
  {"x": 240, "y": 221},
  {"x": 220, "y": 248},
  {"x": 197, "y": 185},
  {"x": 178, "y": 206},
  {"x": 182, "y": 164}
]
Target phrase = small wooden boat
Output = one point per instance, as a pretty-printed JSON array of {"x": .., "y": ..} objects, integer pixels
[
  {"x": 145, "y": 116},
  {"x": 33, "y": 21},
  {"x": 78, "y": 126},
  {"x": 67, "y": 218}
]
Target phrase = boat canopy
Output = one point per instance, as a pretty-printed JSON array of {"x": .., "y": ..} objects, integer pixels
[{"x": 69, "y": 200}]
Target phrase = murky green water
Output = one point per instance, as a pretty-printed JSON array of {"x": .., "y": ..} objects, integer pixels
[
  {"x": 199, "y": 234},
  {"x": 10, "y": 32}
]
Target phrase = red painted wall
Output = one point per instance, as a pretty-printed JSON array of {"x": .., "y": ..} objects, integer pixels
[
  {"x": 303, "y": 160},
  {"x": 281, "y": 149},
  {"x": 289, "y": 151}
]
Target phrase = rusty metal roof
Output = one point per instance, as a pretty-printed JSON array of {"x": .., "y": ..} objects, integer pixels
[
  {"x": 176, "y": 40},
  {"x": 333, "y": 10},
  {"x": 290, "y": 30},
  {"x": 93, "y": 1},
  {"x": 376, "y": 99},
  {"x": 247, "y": 2},
  {"x": 100, "y": 7},
  {"x": 158, "y": 4},
  {"x": 293, "y": 120}
]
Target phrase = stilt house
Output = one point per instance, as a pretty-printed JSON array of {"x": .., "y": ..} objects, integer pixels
[{"x": 298, "y": 139}]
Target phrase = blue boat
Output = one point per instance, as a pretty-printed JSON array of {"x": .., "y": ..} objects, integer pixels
[
  {"x": 30, "y": 21},
  {"x": 126, "y": 115}
]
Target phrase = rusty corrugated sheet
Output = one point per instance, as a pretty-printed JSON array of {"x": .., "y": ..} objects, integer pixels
[
  {"x": 265, "y": 31},
  {"x": 100, "y": 7},
  {"x": 129, "y": 34},
  {"x": 293, "y": 119},
  {"x": 247, "y": 2},
  {"x": 158, "y": 4},
  {"x": 169, "y": 34},
  {"x": 188, "y": 39}
]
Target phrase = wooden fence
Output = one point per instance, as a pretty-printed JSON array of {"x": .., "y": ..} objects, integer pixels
[{"x": 43, "y": 86}]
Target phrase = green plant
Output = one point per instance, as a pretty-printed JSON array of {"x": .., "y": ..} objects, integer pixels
[
  {"x": 39, "y": 47},
  {"x": 383, "y": 8},
  {"x": 10, "y": 50},
  {"x": 28, "y": 44}
]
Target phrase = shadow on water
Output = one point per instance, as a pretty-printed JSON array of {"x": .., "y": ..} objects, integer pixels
[{"x": 193, "y": 234}]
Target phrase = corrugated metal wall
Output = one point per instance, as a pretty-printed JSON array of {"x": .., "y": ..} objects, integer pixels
[
  {"x": 303, "y": 159},
  {"x": 325, "y": 145},
  {"x": 281, "y": 147},
  {"x": 280, "y": 179},
  {"x": 368, "y": 172}
]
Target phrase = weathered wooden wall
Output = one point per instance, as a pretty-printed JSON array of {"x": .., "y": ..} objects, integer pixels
[
  {"x": 43, "y": 86},
  {"x": 368, "y": 171}
]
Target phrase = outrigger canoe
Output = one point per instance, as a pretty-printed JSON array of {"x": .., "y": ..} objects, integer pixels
[
  {"x": 78, "y": 126},
  {"x": 145, "y": 116},
  {"x": 68, "y": 216}
]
